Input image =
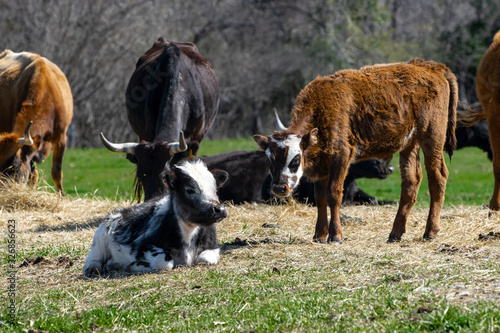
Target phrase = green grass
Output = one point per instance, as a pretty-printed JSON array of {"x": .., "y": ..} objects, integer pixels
[
  {"x": 111, "y": 175},
  {"x": 258, "y": 299}
]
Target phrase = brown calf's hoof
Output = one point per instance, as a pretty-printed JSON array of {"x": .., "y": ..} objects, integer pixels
[
  {"x": 393, "y": 239},
  {"x": 335, "y": 240},
  {"x": 429, "y": 236},
  {"x": 319, "y": 240}
]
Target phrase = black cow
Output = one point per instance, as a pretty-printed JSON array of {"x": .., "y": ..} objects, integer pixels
[
  {"x": 172, "y": 90},
  {"x": 474, "y": 136},
  {"x": 249, "y": 180},
  {"x": 164, "y": 232},
  {"x": 352, "y": 194}
]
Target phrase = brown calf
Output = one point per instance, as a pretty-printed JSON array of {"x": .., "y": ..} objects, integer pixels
[
  {"x": 373, "y": 112},
  {"x": 32, "y": 89},
  {"x": 488, "y": 92}
]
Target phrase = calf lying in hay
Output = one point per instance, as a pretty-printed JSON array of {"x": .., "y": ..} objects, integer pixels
[{"x": 164, "y": 232}]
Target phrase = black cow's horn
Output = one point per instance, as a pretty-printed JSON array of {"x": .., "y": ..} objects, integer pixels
[
  {"x": 178, "y": 147},
  {"x": 27, "y": 140},
  {"x": 128, "y": 147},
  {"x": 279, "y": 124}
]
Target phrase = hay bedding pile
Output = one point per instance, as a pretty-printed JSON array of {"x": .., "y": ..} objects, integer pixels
[{"x": 277, "y": 237}]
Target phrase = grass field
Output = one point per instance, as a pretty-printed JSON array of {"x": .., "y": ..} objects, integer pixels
[
  {"x": 271, "y": 276},
  {"x": 110, "y": 175}
]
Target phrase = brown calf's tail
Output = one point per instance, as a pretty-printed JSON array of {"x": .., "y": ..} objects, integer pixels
[{"x": 451, "y": 140}]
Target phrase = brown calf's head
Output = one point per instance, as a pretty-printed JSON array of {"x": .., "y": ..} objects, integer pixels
[
  {"x": 151, "y": 159},
  {"x": 285, "y": 153},
  {"x": 16, "y": 155}
]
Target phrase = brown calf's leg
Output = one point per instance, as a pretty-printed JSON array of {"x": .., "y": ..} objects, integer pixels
[
  {"x": 334, "y": 196},
  {"x": 322, "y": 222},
  {"x": 411, "y": 176},
  {"x": 437, "y": 174}
]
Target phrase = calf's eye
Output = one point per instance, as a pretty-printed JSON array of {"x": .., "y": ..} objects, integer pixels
[{"x": 295, "y": 163}]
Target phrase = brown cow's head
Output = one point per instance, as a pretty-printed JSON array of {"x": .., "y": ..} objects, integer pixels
[
  {"x": 151, "y": 159},
  {"x": 16, "y": 155}
]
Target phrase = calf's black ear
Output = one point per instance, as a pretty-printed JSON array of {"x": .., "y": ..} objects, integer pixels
[
  {"x": 169, "y": 178},
  {"x": 262, "y": 141},
  {"x": 220, "y": 176}
]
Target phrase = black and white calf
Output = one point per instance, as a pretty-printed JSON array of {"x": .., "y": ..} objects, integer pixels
[{"x": 165, "y": 232}]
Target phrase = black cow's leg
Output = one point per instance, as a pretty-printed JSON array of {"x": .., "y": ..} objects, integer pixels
[{"x": 411, "y": 176}]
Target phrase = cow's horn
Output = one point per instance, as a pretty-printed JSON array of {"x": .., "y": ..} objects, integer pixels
[
  {"x": 128, "y": 147},
  {"x": 279, "y": 124},
  {"x": 178, "y": 147},
  {"x": 27, "y": 140}
]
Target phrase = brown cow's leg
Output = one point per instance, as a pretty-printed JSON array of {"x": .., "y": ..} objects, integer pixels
[
  {"x": 494, "y": 131},
  {"x": 411, "y": 176},
  {"x": 57, "y": 165},
  {"x": 335, "y": 188},
  {"x": 322, "y": 221},
  {"x": 437, "y": 174}
]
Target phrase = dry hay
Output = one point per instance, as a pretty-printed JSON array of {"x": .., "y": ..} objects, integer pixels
[{"x": 465, "y": 254}]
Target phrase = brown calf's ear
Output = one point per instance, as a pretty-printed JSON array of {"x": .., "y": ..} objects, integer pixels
[
  {"x": 169, "y": 178},
  {"x": 220, "y": 176},
  {"x": 309, "y": 139},
  {"x": 262, "y": 141}
]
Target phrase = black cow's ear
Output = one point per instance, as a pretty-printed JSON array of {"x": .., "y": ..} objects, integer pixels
[
  {"x": 262, "y": 141},
  {"x": 169, "y": 178},
  {"x": 309, "y": 139},
  {"x": 220, "y": 176},
  {"x": 132, "y": 158},
  {"x": 193, "y": 148}
]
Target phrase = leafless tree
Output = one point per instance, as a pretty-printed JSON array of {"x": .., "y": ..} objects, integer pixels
[{"x": 263, "y": 51}]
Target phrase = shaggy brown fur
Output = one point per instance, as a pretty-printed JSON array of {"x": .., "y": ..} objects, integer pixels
[
  {"x": 34, "y": 89},
  {"x": 488, "y": 92},
  {"x": 376, "y": 112}
]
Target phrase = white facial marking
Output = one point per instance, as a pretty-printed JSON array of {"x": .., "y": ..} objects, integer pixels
[
  {"x": 293, "y": 144},
  {"x": 204, "y": 178}
]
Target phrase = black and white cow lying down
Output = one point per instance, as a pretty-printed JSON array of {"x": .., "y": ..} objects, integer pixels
[{"x": 176, "y": 229}]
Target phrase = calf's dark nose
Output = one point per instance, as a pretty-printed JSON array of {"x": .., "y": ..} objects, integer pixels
[
  {"x": 220, "y": 211},
  {"x": 279, "y": 190}
]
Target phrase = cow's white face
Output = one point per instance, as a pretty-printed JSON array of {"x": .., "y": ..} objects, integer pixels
[
  {"x": 196, "y": 192},
  {"x": 285, "y": 161}
]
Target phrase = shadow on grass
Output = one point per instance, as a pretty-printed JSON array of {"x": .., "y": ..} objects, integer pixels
[{"x": 71, "y": 226}]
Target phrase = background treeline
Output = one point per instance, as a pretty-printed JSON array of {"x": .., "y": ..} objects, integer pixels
[{"x": 263, "y": 51}]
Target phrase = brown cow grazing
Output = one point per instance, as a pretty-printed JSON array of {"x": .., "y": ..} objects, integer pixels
[
  {"x": 34, "y": 91},
  {"x": 488, "y": 92},
  {"x": 373, "y": 112}
]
